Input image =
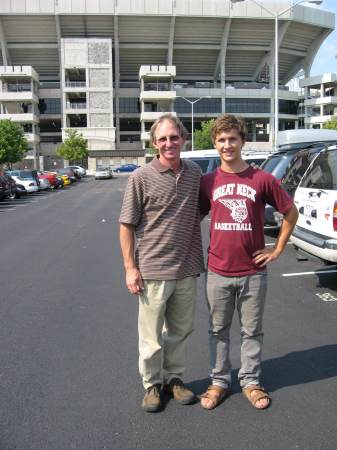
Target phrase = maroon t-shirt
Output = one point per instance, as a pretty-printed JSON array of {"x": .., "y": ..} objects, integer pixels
[{"x": 237, "y": 202}]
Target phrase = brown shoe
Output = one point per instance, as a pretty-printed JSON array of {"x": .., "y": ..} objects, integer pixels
[
  {"x": 180, "y": 392},
  {"x": 152, "y": 401}
]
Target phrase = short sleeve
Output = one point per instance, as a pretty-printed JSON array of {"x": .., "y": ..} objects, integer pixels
[
  {"x": 277, "y": 196},
  {"x": 132, "y": 206}
]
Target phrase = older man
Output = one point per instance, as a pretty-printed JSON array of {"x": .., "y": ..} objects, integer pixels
[{"x": 161, "y": 246}]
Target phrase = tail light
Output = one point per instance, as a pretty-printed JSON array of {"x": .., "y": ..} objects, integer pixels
[{"x": 334, "y": 217}]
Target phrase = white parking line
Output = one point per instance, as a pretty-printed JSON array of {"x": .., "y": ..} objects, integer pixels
[
  {"x": 273, "y": 243},
  {"x": 327, "y": 297},
  {"x": 315, "y": 272}
]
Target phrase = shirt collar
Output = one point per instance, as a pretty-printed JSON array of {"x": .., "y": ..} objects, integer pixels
[{"x": 159, "y": 166}]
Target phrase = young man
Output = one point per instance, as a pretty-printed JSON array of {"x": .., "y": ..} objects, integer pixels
[
  {"x": 236, "y": 195},
  {"x": 161, "y": 211}
]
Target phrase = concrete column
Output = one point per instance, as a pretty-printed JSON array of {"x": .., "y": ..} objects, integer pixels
[
  {"x": 117, "y": 80},
  {"x": 272, "y": 102}
]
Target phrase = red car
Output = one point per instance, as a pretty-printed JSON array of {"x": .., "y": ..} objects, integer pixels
[{"x": 51, "y": 177}]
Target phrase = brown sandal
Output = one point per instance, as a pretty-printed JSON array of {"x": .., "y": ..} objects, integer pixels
[
  {"x": 216, "y": 394},
  {"x": 254, "y": 393}
]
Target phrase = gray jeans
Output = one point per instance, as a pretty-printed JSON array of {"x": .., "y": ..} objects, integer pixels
[{"x": 248, "y": 293}]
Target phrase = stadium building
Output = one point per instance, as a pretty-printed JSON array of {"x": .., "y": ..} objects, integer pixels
[{"x": 110, "y": 68}]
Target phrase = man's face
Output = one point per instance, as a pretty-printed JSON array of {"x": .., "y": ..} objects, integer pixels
[
  {"x": 168, "y": 141},
  {"x": 229, "y": 145}
]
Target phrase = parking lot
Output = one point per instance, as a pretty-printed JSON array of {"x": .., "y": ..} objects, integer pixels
[{"x": 69, "y": 377}]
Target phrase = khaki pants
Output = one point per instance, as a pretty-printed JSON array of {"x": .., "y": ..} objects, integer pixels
[{"x": 166, "y": 316}]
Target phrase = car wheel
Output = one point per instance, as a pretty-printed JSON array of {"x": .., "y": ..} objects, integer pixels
[{"x": 12, "y": 195}]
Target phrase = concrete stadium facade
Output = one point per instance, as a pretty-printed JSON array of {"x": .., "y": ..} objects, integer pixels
[{"x": 109, "y": 68}]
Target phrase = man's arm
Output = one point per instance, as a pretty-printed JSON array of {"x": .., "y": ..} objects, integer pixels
[
  {"x": 265, "y": 256},
  {"x": 134, "y": 281}
]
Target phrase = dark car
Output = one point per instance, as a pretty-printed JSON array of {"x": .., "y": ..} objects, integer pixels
[
  {"x": 14, "y": 190},
  {"x": 125, "y": 168},
  {"x": 297, "y": 163},
  {"x": 4, "y": 187}
]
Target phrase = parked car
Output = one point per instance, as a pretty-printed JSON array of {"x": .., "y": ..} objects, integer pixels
[
  {"x": 125, "y": 168},
  {"x": 4, "y": 187},
  {"x": 78, "y": 169},
  {"x": 15, "y": 190},
  {"x": 51, "y": 177},
  {"x": 316, "y": 200},
  {"x": 44, "y": 184},
  {"x": 29, "y": 184},
  {"x": 103, "y": 173},
  {"x": 297, "y": 165},
  {"x": 25, "y": 174},
  {"x": 209, "y": 160},
  {"x": 65, "y": 179},
  {"x": 69, "y": 172}
]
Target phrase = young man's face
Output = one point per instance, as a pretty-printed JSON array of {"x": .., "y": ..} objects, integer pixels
[
  {"x": 168, "y": 142},
  {"x": 229, "y": 145}
]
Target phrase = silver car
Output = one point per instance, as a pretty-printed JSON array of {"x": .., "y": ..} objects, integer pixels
[{"x": 103, "y": 173}]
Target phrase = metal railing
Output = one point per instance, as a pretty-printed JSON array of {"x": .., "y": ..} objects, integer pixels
[
  {"x": 75, "y": 84},
  {"x": 76, "y": 105},
  {"x": 18, "y": 88}
]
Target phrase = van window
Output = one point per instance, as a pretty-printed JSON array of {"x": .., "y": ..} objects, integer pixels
[
  {"x": 323, "y": 172},
  {"x": 207, "y": 164},
  {"x": 297, "y": 169},
  {"x": 202, "y": 163}
]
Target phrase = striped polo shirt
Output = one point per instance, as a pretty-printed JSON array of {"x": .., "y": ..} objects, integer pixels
[{"x": 164, "y": 208}]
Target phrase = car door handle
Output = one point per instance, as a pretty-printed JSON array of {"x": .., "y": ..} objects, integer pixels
[{"x": 308, "y": 222}]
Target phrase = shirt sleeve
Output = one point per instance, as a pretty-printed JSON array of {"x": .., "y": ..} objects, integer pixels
[
  {"x": 277, "y": 196},
  {"x": 204, "y": 194},
  {"x": 132, "y": 206}
]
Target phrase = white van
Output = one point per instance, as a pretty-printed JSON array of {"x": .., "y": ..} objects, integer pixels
[
  {"x": 209, "y": 160},
  {"x": 316, "y": 201},
  {"x": 300, "y": 138}
]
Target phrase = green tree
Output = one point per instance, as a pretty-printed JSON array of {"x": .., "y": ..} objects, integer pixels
[
  {"x": 331, "y": 124},
  {"x": 202, "y": 137},
  {"x": 13, "y": 144},
  {"x": 74, "y": 147}
]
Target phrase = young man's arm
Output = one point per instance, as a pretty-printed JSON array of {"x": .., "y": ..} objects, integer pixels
[
  {"x": 264, "y": 256},
  {"x": 134, "y": 281}
]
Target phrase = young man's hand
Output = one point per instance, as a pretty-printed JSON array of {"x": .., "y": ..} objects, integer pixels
[
  {"x": 264, "y": 256},
  {"x": 134, "y": 281}
]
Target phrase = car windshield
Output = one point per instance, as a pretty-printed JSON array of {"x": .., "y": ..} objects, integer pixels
[
  {"x": 202, "y": 163},
  {"x": 278, "y": 168},
  {"x": 256, "y": 161},
  {"x": 269, "y": 164},
  {"x": 26, "y": 175},
  {"x": 102, "y": 168}
]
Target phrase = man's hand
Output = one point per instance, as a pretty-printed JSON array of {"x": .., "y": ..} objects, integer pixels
[
  {"x": 264, "y": 256},
  {"x": 134, "y": 281}
]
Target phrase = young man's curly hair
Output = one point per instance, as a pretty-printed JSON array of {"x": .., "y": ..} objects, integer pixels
[{"x": 227, "y": 123}]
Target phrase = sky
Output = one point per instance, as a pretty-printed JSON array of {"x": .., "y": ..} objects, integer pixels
[{"x": 326, "y": 60}]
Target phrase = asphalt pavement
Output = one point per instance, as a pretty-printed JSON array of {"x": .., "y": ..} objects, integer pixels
[{"x": 68, "y": 332}]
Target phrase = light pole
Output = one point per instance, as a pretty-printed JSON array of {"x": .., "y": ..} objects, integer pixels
[
  {"x": 276, "y": 15},
  {"x": 191, "y": 102}
]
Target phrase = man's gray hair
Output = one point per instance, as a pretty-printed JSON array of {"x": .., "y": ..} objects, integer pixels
[{"x": 171, "y": 118}]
